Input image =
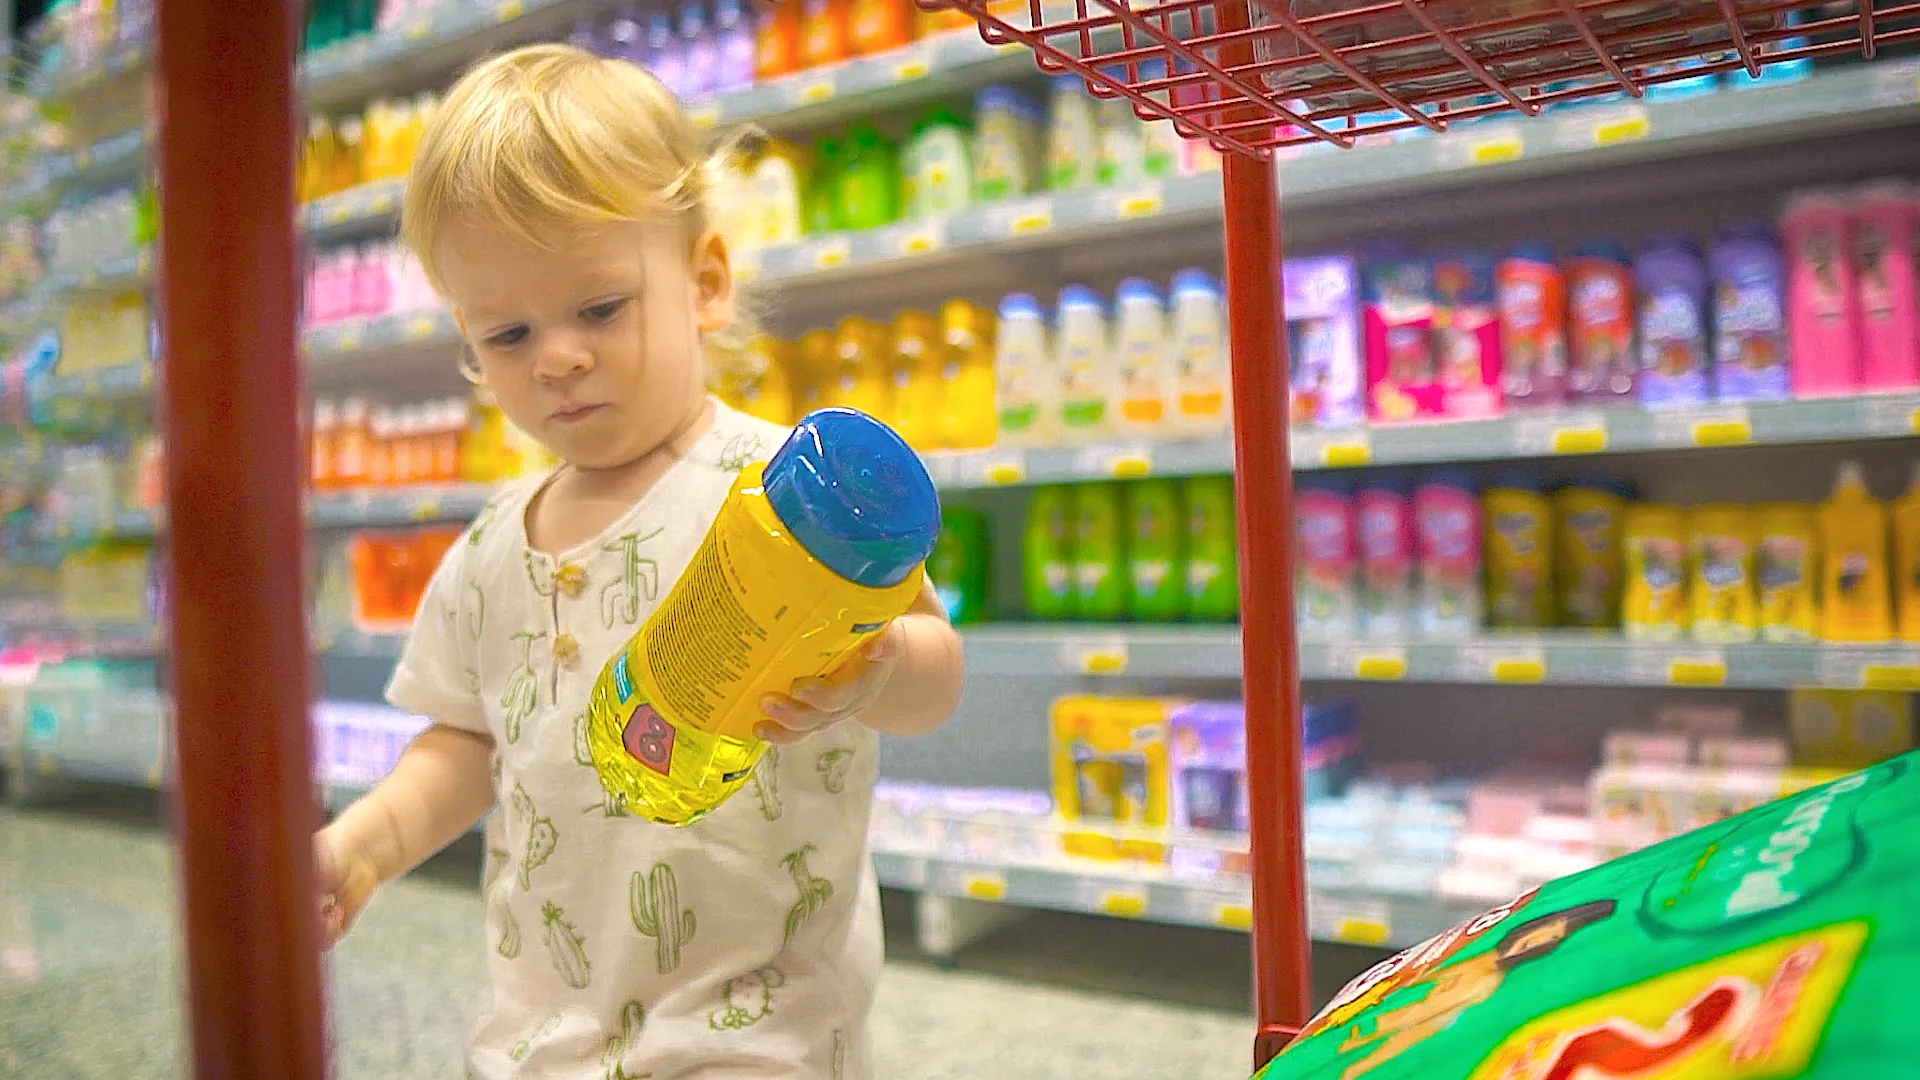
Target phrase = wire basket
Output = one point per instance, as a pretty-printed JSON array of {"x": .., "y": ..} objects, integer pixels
[{"x": 1253, "y": 76}]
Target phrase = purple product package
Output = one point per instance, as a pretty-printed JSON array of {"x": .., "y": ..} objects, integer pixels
[
  {"x": 1208, "y": 755},
  {"x": 1398, "y": 314},
  {"x": 1323, "y": 339},
  {"x": 1750, "y": 315},
  {"x": 1675, "y": 367}
]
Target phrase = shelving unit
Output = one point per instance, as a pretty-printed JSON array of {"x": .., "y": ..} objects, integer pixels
[{"x": 1330, "y": 197}]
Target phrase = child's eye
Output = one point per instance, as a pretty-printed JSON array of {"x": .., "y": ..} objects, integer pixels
[
  {"x": 603, "y": 310},
  {"x": 508, "y": 338}
]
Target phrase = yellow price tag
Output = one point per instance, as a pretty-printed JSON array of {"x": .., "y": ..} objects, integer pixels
[
  {"x": 1626, "y": 129},
  {"x": 1233, "y": 916},
  {"x": 1344, "y": 455},
  {"x": 347, "y": 341},
  {"x": 509, "y": 11},
  {"x": 380, "y": 204},
  {"x": 1129, "y": 466},
  {"x": 1105, "y": 660},
  {"x": 1731, "y": 432},
  {"x": 153, "y": 776},
  {"x": 1382, "y": 666},
  {"x": 1361, "y": 930},
  {"x": 1494, "y": 151},
  {"x": 915, "y": 67},
  {"x": 815, "y": 91},
  {"x": 830, "y": 256},
  {"x": 46, "y": 765},
  {"x": 1034, "y": 221},
  {"x": 705, "y": 118},
  {"x": 919, "y": 242},
  {"x": 1579, "y": 440},
  {"x": 1123, "y": 904},
  {"x": 1520, "y": 670},
  {"x": 1002, "y": 473},
  {"x": 426, "y": 510},
  {"x": 1890, "y": 677},
  {"x": 339, "y": 214},
  {"x": 1139, "y": 205},
  {"x": 1697, "y": 672},
  {"x": 418, "y": 30},
  {"x": 990, "y": 887},
  {"x": 421, "y": 327}
]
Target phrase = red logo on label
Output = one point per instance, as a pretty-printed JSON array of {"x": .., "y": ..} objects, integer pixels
[{"x": 649, "y": 738}]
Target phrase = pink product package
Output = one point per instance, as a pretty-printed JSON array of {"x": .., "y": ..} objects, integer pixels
[
  {"x": 1398, "y": 316},
  {"x": 1323, "y": 339},
  {"x": 1466, "y": 337},
  {"x": 1822, "y": 318},
  {"x": 1885, "y": 219}
]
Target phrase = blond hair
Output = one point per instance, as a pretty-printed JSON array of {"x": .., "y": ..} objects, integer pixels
[{"x": 548, "y": 139}]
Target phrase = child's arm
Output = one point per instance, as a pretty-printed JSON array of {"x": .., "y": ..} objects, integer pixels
[
  {"x": 441, "y": 785},
  {"x": 907, "y": 682}
]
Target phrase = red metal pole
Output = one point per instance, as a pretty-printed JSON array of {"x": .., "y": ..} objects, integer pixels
[
  {"x": 232, "y": 390},
  {"x": 1270, "y": 665}
]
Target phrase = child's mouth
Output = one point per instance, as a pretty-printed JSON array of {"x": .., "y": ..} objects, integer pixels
[{"x": 573, "y": 414}]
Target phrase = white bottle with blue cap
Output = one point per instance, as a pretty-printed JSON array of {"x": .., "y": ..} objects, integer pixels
[
  {"x": 1027, "y": 384},
  {"x": 809, "y": 558}
]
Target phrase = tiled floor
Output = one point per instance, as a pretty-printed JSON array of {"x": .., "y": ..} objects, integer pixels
[{"x": 88, "y": 974}]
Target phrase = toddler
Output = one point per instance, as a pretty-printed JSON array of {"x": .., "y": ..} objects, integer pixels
[{"x": 562, "y": 204}]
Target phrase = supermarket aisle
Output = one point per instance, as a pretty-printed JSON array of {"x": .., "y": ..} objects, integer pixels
[{"x": 88, "y": 976}]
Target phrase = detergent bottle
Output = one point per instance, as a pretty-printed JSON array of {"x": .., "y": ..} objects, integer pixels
[
  {"x": 1213, "y": 570},
  {"x": 966, "y": 372},
  {"x": 861, "y": 381},
  {"x": 1853, "y": 562},
  {"x": 1047, "y": 552},
  {"x": 811, "y": 555},
  {"x": 914, "y": 355},
  {"x": 1028, "y": 381}
]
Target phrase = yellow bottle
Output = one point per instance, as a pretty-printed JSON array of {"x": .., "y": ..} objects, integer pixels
[
  {"x": 860, "y": 378},
  {"x": 1586, "y": 562},
  {"x": 1906, "y": 559},
  {"x": 319, "y": 168},
  {"x": 1784, "y": 572},
  {"x": 813, "y": 364},
  {"x": 381, "y": 148},
  {"x": 776, "y": 179},
  {"x": 1519, "y": 555},
  {"x": 914, "y": 358},
  {"x": 763, "y": 387},
  {"x": 1854, "y": 600},
  {"x": 811, "y": 555},
  {"x": 1653, "y": 605},
  {"x": 1720, "y": 592},
  {"x": 967, "y": 417}
]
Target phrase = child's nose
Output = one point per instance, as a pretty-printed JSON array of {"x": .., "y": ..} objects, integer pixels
[{"x": 561, "y": 358}]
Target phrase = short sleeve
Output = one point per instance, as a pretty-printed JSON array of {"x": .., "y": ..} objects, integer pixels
[{"x": 438, "y": 673}]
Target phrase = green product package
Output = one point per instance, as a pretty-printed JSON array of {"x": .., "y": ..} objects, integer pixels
[
  {"x": 1046, "y": 553},
  {"x": 1778, "y": 944},
  {"x": 1213, "y": 575},
  {"x": 1100, "y": 583},
  {"x": 958, "y": 565},
  {"x": 868, "y": 181},
  {"x": 820, "y": 208},
  {"x": 1156, "y": 551}
]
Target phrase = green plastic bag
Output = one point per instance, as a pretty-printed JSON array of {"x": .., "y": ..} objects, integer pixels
[{"x": 1780, "y": 943}]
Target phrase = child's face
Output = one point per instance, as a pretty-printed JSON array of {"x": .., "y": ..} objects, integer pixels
[{"x": 590, "y": 342}]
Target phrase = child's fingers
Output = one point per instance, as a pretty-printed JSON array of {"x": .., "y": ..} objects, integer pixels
[{"x": 788, "y": 721}]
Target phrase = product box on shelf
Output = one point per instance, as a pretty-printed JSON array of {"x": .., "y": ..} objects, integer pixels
[
  {"x": 1849, "y": 729},
  {"x": 1110, "y": 766},
  {"x": 1323, "y": 340}
]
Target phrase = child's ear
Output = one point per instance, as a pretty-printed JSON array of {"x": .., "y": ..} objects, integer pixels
[{"x": 712, "y": 273}]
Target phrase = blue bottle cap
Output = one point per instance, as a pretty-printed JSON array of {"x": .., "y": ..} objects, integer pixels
[
  {"x": 1001, "y": 96},
  {"x": 855, "y": 496},
  {"x": 1081, "y": 296},
  {"x": 1533, "y": 251},
  {"x": 1610, "y": 250},
  {"x": 1017, "y": 304},
  {"x": 1136, "y": 290},
  {"x": 1194, "y": 279}
]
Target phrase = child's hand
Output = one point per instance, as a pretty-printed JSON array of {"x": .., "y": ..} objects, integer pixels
[
  {"x": 841, "y": 695},
  {"x": 346, "y": 879}
]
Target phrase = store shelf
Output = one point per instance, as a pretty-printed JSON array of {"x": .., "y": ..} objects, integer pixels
[
  {"x": 116, "y": 157},
  {"x": 1351, "y": 917},
  {"x": 110, "y": 275},
  {"x": 1566, "y": 658},
  {"x": 403, "y": 506},
  {"x": 353, "y": 340},
  {"x": 123, "y": 383}
]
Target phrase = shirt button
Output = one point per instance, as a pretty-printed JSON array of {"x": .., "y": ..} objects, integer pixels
[
  {"x": 571, "y": 579},
  {"x": 566, "y": 649}
]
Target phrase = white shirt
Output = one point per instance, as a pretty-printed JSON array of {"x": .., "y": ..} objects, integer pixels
[{"x": 745, "y": 945}]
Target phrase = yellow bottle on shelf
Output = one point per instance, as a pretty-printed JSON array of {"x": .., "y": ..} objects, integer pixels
[
  {"x": 1854, "y": 600},
  {"x": 1720, "y": 592},
  {"x": 860, "y": 378},
  {"x": 967, "y": 419},
  {"x": 913, "y": 356},
  {"x": 382, "y": 142},
  {"x": 811, "y": 555},
  {"x": 762, "y": 386},
  {"x": 1906, "y": 559},
  {"x": 1784, "y": 572},
  {"x": 1653, "y": 604}
]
